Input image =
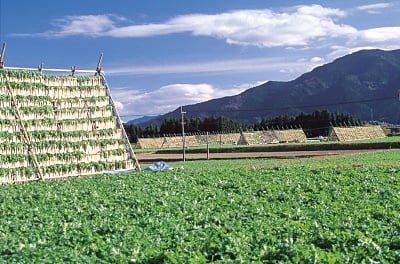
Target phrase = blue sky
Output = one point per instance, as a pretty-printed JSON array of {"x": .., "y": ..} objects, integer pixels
[{"x": 159, "y": 55}]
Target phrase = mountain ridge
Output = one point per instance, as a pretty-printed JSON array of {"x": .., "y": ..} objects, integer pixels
[{"x": 364, "y": 84}]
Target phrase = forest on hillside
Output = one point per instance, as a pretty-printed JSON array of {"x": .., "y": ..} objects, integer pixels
[{"x": 314, "y": 124}]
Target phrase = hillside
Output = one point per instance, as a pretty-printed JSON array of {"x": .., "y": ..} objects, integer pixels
[{"x": 364, "y": 84}]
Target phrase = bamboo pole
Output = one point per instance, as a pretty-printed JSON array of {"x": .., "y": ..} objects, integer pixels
[
  {"x": 25, "y": 133},
  {"x": 119, "y": 122}
]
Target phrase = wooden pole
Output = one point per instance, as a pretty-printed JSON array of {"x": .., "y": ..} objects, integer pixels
[
  {"x": 2, "y": 56},
  {"x": 98, "y": 67},
  {"x": 25, "y": 134},
  {"x": 208, "y": 147},
  {"x": 119, "y": 122},
  {"x": 183, "y": 135}
]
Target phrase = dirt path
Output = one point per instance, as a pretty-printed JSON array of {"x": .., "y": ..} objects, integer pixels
[{"x": 152, "y": 157}]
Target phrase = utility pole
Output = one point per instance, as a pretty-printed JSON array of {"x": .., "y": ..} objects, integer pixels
[
  {"x": 208, "y": 147},
  {"x": 183, "y": 134}
]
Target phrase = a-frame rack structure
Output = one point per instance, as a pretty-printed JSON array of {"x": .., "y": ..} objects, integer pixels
[{"x": 59, "y": 125}]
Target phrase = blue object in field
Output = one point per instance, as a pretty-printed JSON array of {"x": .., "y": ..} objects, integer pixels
[{"x": 158, "y": 166}]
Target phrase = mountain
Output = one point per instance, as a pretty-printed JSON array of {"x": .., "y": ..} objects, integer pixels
[
  {"x": 364, "y": 84},
  {"x": 141, "y": 120}
]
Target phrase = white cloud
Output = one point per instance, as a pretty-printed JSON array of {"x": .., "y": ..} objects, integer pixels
[
  {"x": 264, "y": 28},
  {"x": 385, "y": 38},
  {"x": 300, "y": 27},
  {"x": 339, "y": 51},
  {"x": 166, "y": 98},
  {"x": 92, "y": 25},
  {"x": 382, "y": 34},
  {"x": 317, "y": 60},
  {"x": 85, "y": 25},
  {"x": 119, "y": 105},
  {"x": 304, "y": 65},
  {"x": 374, "y": 8},
  {"x": 146, "y": 30},
  {"x": 221, "y": 66}
]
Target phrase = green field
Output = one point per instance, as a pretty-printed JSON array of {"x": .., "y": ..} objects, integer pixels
[{"x": 336, "y": 210}]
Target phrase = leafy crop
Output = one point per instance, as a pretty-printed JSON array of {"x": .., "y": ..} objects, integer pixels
[
  {"x": 317, "y": 213},
  {"x": 64, "y": 125}
]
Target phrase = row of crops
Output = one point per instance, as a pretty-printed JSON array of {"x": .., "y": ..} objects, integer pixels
[
  {"x": 22, "y": 76},
  {"x": 38, "y": 101},
  {"x": 58, "y": 126},
  {"x": 342, "y": 210},
  {"x": 54, "y": 91}
]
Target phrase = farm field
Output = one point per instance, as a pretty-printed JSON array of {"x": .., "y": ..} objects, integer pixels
[
  {"x": 148, "y": 158},
  {"x": 394, "y": 140},
  {"x": 328, "y": 210},
  {"x": 270, "y": 151}
]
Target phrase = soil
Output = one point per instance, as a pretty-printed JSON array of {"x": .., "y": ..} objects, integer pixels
[{"x": 148, "y": 157}]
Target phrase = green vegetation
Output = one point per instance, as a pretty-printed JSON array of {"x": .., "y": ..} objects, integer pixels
[
  {"x": 385, "y": 158},
  {"x": 314, "y": 124},
  {"x": 62, "y": 124},
  {"x": 25, "y": 74},
  {"x": 336, "y": 210},
  {"x": 376, "y": 143}
]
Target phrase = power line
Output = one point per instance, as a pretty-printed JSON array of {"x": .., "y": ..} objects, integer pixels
[
  {"x": 300, "y": 106},
  {"x": 277, "y": 108}
]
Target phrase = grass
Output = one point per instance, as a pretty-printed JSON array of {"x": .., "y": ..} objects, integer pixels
[
  {"x": 389, "y": 158},
  {"x": 331, "y": 210}
]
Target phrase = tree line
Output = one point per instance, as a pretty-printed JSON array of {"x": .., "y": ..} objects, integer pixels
[{"x": 314, "y": 124}]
